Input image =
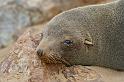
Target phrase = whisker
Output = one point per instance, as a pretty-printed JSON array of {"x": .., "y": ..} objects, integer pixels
[{"x": 53, "y": 58}]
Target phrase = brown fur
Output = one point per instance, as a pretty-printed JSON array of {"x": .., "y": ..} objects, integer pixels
[{"x": 96, "y": 33}]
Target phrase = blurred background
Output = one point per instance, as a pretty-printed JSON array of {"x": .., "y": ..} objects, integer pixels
[{"x": 18, "y": 15}]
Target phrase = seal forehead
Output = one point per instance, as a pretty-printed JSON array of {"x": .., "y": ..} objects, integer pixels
[{"x": 57, "y": 32}]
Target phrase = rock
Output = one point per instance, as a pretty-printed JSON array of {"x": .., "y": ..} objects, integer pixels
[
  {"x": 16, "y": 15},
  {"x": 12, "y": 20},
  {"x": 4, "y": 52},
  {"x": 109, "y": 75},
  {"x": 23, "y": 65},
  {"x": 5, "y": 2}
]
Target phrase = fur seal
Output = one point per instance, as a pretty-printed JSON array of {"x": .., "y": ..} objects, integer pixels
[{"x": 90, "y": 35}]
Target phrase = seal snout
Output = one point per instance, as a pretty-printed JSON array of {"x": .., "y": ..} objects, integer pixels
[{"x": 39, "y": 52}]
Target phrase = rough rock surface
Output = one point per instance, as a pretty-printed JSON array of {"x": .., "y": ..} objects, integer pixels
[
  {"x": 13, "y": 19},
  {"x": 16, "y": 15},
  {"x": 23, "y": 65}
]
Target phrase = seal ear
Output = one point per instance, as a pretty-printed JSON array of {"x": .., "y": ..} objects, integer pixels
[{"x": 88, "y": 40}]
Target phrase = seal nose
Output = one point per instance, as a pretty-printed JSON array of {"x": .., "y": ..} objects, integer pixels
[{"x": 40, "y": 52}]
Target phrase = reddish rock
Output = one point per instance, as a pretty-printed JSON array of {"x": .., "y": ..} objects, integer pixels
[{"x": 23, "y": 65}]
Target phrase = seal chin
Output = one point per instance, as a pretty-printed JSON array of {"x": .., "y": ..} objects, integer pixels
[
  {"x": 49, "y": 60},
  {"x": 53, "y": 59}
]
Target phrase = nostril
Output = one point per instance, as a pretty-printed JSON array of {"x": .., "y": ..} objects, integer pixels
[{"x": 40, "y": 52}]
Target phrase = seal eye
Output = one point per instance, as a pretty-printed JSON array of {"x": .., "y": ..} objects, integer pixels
[{"x": 68, "y": 42}]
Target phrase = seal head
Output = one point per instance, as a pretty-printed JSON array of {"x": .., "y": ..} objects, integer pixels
[
  {"x": 90, "y": 35},
  {"x": 63, "y": 43}
]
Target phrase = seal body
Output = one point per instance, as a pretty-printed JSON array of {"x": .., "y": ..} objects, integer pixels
[{"x": 90, "y": 35}]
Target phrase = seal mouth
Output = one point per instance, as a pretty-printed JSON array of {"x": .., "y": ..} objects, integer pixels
[{"x": 53, "y": 59}]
